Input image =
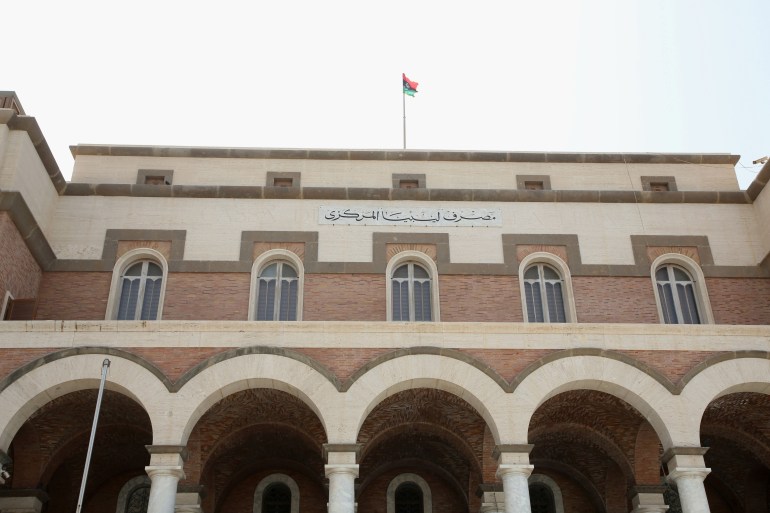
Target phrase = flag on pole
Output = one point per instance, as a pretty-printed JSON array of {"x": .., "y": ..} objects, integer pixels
[{"x": 409, "y": 87}]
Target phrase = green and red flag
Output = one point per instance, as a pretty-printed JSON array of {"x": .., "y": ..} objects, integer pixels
[{"x": 409, "y": 87}]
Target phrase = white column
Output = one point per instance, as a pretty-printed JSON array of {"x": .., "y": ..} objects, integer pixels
[
  {"x": 188, "y": 502},
  {"x": 516, "y": 487},
  {"x": 689, "y": 484},
  {"x": 342, "y": 490},
  {"x": 493, "y": 502},
  {"x": 163, "y": 488}
]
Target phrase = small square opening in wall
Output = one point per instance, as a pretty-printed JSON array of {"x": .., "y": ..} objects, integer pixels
[
  {"x": 283, "y": 182},
  {"x": 282, "y": 179},
  {"x": 534, "y": 185},
  {"x": 658, "y": 183},
  {"x": 408, "y": 180},
  {"x": 154, "y": 177},
  {"x": 533, "y": 182}
]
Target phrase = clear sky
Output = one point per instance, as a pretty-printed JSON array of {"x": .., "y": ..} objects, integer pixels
[{"x": 688, "y": 76}]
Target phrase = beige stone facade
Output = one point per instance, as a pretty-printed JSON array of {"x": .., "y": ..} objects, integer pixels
[{"x": 521, "y": 332}]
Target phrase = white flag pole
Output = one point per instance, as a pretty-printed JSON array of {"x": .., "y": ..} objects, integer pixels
[
  {"x": 403, "y": 97},
  {"x": 105, "y": 367}
]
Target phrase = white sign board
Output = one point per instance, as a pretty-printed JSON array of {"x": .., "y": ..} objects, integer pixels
[{"x": 392, "y": 216}]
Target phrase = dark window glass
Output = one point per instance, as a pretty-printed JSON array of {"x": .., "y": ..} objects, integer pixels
[
  {"x": 542, "y": 281},
  {"x": 676, "y": 291},
  {"x": 411, "y": 294},
  {"x": 277, "y": 292},
  {"x": 276, "y": 499},
  {"x": 409, "y": 498},
  {"x": 140, "y": 287},
  {"x": 541, "y": 499}
]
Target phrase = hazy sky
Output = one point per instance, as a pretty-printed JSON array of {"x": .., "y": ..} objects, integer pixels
[{"x": 587, "y": 76}]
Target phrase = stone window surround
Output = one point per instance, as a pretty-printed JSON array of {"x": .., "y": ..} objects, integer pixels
[
  {"x": 416, "y": 257},
  {"x": 427, "y": 499},
  {"x": 7, "y": 298},
  {"x": 128, "y": 489},
  {"x": 415, "y": 177},
  {"x": 123, "y": 263},
  {"x": 270, "y": 257},
  {"x": 699, "y": 284},
  {"x": 167, "y": 174},
  {"x": 521, "y": 181},
  {"x": 550, "y": 483},
  {"x": 647, "y": 182},
  {"x": 561, "y": 267},
  {"x": 295, "y": 178},
  {"x": 272, "y": 479}
]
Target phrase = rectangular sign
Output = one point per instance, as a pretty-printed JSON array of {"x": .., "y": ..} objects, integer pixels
[{"x": 391, "y": 216}]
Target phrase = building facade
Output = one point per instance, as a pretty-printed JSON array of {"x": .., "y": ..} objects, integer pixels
[{"x": 381, "y": 331}]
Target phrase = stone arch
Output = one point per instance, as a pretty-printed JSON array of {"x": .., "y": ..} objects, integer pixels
[
  {"x": 43, "y": 383},
  {"x": 232, "y": 375},
  {"x": 720, "y": 379},
  {"x": 427, "y": 498},
  {"x": 423, "y": 371},
  {"x": 608, "y": 375}
]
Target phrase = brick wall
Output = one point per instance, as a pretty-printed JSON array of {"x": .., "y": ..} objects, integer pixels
[
  {"x": 615, "y": 299},
  {"x": 19, "y": 272},
  {"x": 446, "y": 499},
  {"x": 480, "y": 298},
  {"x": 312, "y": 495},
  {"x": 73, "y": 296},
  {"x": 344, "y": 297},
  {"x": 739, "y": 300},
  {"x": 207, "y": 296}
]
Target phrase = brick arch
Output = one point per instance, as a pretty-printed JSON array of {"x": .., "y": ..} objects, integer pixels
[
  {"x": 390, "y": 377},
  {"x": 51, "y": 377},
  {"x": 618, "y": 378},
  {"x": 255, "y": 370},
  {"x": 749, "y": 374}
]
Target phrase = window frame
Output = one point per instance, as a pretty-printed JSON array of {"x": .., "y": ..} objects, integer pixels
[
  {"x": 562, "y": 269},
  {"x": 698, "y": 281},
  {"x": 424, "y": 261},
  {"x": 263, "y": 261},
  {"x": 542, "y": 479},
  {"x": 130, "y": 487},
  {"x": 284, "y": 479},
  {"x": 427, "y": 499},
  {"x": 122, "y": 264}
]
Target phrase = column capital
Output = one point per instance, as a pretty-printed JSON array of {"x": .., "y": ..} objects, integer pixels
[
  {"x": 351, "y": 469},
  {"x": 678, "y": 473},
  {"x": 649, "y": 501},
  {"x": 329, "y": 449},
  {"x": 164, "y": 471},
  {"x": 514, "y": 470}
]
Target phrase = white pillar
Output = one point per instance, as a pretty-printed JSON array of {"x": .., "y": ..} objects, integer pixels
[
  {"x": 687, "y": 470},
  {"x": 514, "y": 469},
  {"x": 689, "y": 484},
  {"x": 516, "y": 487},
  {"x": 163, "y": 488},
  {"x": 188, "y": 502},
  {"x": 342, "y": 470},
  {"x": 342, "y": 490}
]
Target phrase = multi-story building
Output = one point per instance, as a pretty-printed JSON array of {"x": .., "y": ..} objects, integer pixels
[{"x": 381, "y": 331}]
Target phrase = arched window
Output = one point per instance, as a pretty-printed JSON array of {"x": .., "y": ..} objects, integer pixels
[
  {"x": 680, "y": 290},
  {"x": 276, "y": 499},
  {"x": 277, "y": 290},
  {"x": 409, "y": 493},
  {"x": 408, "y": 498},
  {"x": 676, "y": 291},
  {"x": 134, "y": 497},
  {"x": 544, "y": 290},
  {"x": 545, "y": 495},
  {"x": 276, "y": 287},
  {"x": 277, "y": 493},
  {"x": 411, "y": 296},
  {"x": 138, "y": 286}
]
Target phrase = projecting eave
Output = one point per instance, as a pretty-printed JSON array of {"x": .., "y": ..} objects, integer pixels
[{"x": 403, "y": 155}]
